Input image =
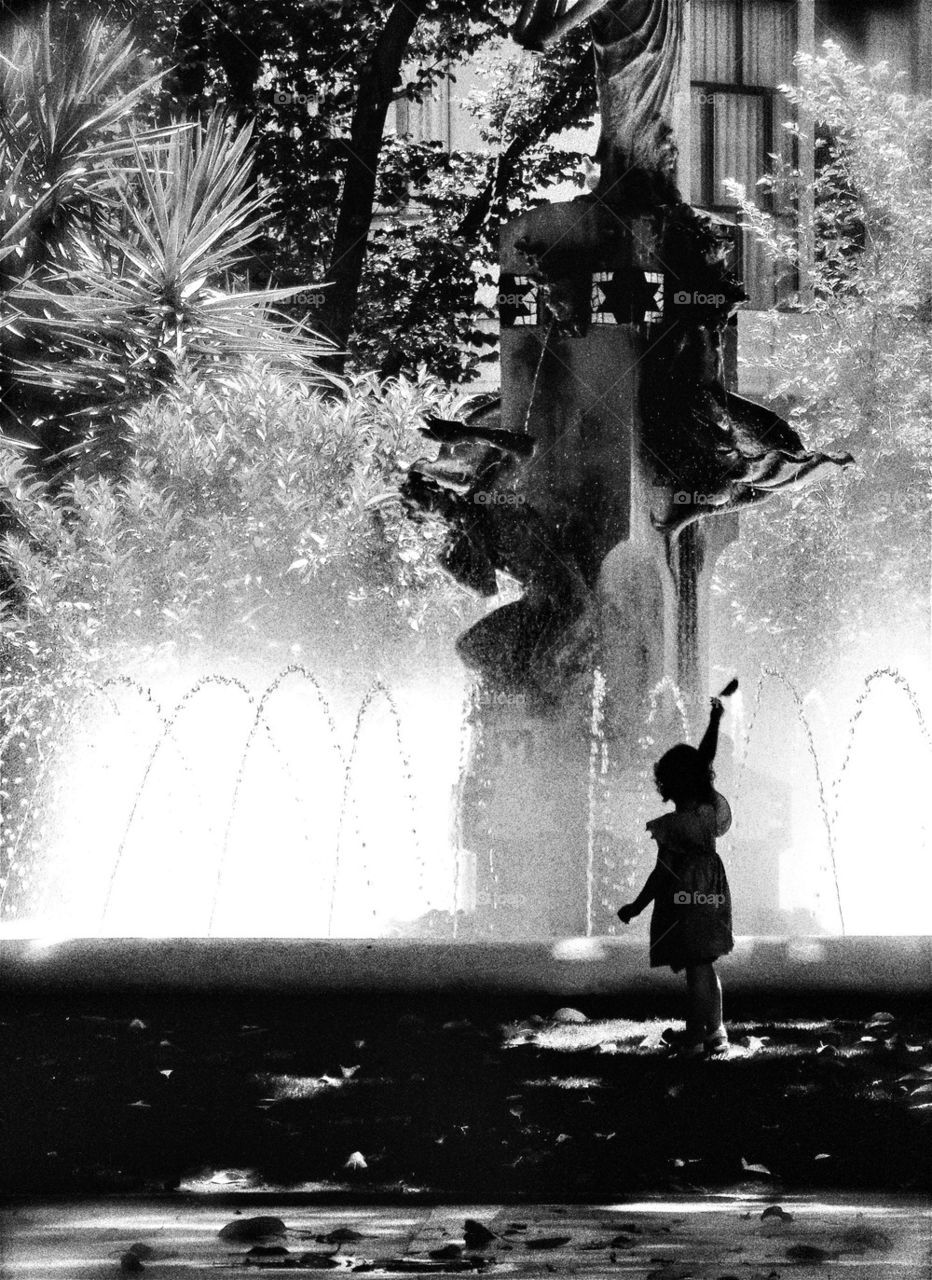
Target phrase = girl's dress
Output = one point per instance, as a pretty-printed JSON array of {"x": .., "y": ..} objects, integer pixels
[{"x": 691, "y": 921}]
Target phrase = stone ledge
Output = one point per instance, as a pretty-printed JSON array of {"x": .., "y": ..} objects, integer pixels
[{"x": 861, "y": 964}]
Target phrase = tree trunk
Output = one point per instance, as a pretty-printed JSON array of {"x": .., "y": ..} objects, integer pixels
[
  {"x": 240, "y": 54},
  {"x": 335, "y": 318},
  {"x": 185, "y": 82}
]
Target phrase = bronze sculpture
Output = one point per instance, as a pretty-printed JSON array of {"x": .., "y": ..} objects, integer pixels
[{"x": 715, "y": 451}]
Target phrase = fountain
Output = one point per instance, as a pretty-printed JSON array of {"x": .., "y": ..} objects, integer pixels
[
  {"x": 282, "y": 814},
  {"x": 605, "y": 480},
  {"x": 288, "y": 814},
  {"x": 593, "y": 496}
]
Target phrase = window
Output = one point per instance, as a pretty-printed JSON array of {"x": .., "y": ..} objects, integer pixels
[
  {"x": 429, "y": 120},
  {"x": 742, "y": 50}
]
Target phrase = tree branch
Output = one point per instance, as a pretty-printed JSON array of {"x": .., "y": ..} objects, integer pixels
[{"x": 551, "y": 117}]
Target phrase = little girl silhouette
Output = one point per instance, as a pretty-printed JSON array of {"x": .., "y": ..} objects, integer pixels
[{"x": 691, "y": 923}]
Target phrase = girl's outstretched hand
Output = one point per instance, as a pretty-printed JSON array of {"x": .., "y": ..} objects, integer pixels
[
  {"x": 718, "y": 707},
  {"x": 626, "y": 913}
]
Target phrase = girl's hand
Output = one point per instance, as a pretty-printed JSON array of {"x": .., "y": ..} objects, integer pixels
[
  {"x": 718, "y": 707},
  {"x": 626, "y": 913}
]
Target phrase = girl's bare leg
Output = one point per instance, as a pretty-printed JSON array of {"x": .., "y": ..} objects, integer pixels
[
  {"x": 695, "y": 1004},
  {"x": 715, "y": 1002},
  {"x": 705, "y": 1000}
]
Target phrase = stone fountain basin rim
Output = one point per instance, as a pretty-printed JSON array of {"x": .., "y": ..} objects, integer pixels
[{"x": 860, "y": 964}]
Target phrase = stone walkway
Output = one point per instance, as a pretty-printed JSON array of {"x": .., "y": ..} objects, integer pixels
[{"x": 736, "y": 1236}]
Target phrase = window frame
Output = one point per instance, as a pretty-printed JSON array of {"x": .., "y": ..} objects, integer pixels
[{"x": 705, "y": 198}]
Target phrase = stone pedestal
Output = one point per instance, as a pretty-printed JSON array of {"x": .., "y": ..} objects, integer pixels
[
  {"x": 552, "y": 794},
  {"x": 578, "y": 396}
]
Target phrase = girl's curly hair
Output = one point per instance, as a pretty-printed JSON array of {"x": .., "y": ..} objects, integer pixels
[{"x": 684, "y": 776}]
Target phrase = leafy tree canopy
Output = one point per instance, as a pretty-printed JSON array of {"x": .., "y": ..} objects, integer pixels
[
  {"x": 305, "y": 75},
  {"x": 848, "y": 565}
]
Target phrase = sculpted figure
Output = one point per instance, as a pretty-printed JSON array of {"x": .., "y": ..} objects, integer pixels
[{"x": 704, "y": 439}]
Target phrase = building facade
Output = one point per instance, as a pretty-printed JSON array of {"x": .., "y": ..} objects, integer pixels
[{"x": 730, "y": 120}]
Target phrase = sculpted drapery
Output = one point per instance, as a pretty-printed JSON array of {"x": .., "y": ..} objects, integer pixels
[{"x": 711, "y": 449}]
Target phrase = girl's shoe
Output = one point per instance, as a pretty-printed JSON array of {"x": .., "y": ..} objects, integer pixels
[{"x": 717, "y": 1042}]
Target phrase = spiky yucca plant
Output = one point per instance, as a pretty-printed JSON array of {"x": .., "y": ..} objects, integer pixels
[{"x": 119, "y": 246}]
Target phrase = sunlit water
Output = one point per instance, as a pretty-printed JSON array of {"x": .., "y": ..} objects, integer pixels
[
  {"x": 860, "y": 851},
  {"x": 236, "y": 814},
  {"x": 288, "y": 812}
]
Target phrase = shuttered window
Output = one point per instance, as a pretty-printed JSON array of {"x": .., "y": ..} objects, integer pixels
[
  {"x": 429, "y": 120},
  {"x": 742, "y": 50}
]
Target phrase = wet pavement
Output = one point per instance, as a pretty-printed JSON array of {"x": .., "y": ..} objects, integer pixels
[{"x": 728, "y": 1236}]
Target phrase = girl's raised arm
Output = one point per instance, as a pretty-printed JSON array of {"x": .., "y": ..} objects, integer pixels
[{"x": 709, "y": 744}]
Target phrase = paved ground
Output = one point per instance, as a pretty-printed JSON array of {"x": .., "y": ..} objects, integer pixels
[{"x": 731, "y": 1236}]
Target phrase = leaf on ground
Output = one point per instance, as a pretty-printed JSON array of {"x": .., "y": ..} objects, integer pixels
[
  {"x": 268, "y": 1251},
  {"x": 137, "y": 1024},
  {"x": 547, "y": 1242},
  {"x": 808, "y": 1253},
  {"x": 251, "y": 1229},
  {"x": 477, "y": 1236},
  {"x": 340, "y": 1235},
  {"x": 318, "y": 1260},
  {"x": 569, "y": 1016},
  {"x": 776, "y": 1211},
  {"x": 864, "y": 1236},
  {"x": 142, "y": 1250},
  {"x": 355, "y": 1160},
  {"x": 754, "y": 1044},
  {"x": 755, "y": 1168}
]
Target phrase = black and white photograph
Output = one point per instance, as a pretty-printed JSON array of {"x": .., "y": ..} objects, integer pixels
[{"x": 466, "y": 639}]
